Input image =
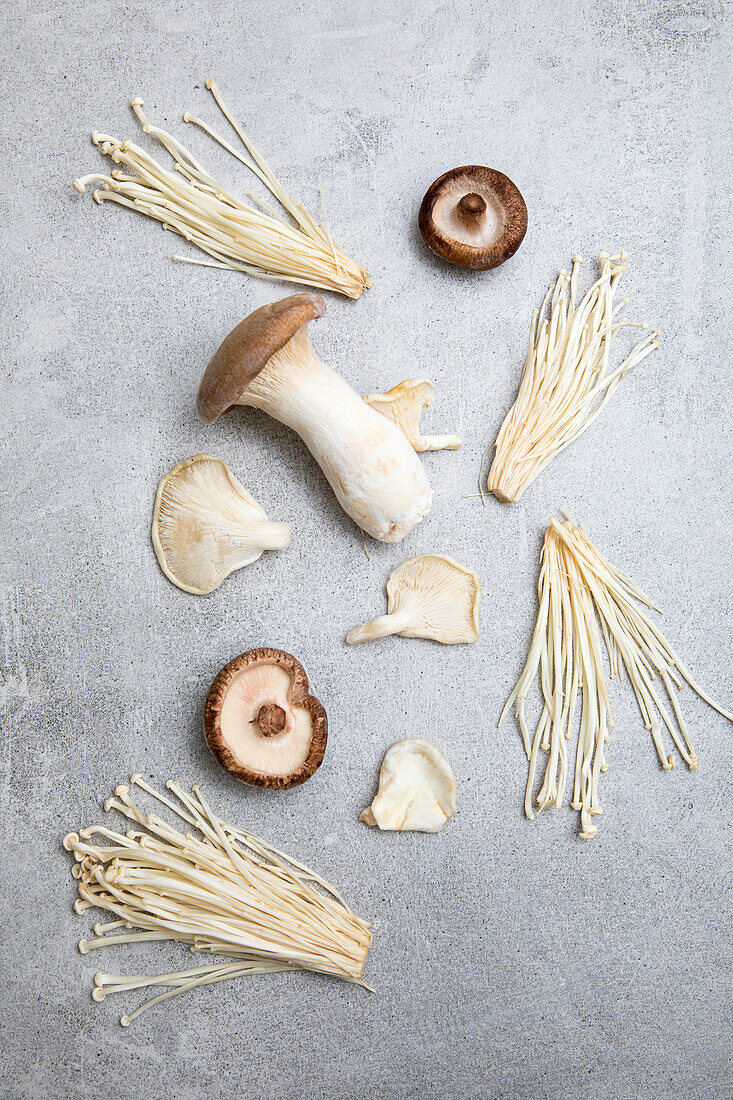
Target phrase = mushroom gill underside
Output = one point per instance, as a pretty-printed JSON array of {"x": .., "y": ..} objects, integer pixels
[
  {"x": 262, "y": 724},
  {"x": 429, "y": 596},
  {"x": 473, "y": 216},
  {"x": 404, "y": 404},
  {"x": 206, "y": 525}
]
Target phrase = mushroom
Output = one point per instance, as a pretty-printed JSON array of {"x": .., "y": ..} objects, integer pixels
[
  {"x": 405, "y": 404},
  {"x": 268, "y": 362},
  {"x": 429, "y": 596},
  {"x": 474, "y": 217},
  {"x": 206, "y": 525},
  {"x": 417, "y": 789},
  {"x": 261, "y": 723}
]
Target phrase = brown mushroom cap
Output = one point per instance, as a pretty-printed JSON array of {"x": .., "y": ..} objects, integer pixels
[
  {"x": 243, "y": 353},
  {"x": 261, "y": 723},
  {"x": 474, "y": 217}
]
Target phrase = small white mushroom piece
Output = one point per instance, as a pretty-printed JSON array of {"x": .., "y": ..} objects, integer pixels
[
  {"x": 417, "y": 789},
  {"x": 268, "y": 362},
  {"x": 405, "y": 404},
  {"x": 430, "y": 596},
  {"x": 206, "y": 525}
]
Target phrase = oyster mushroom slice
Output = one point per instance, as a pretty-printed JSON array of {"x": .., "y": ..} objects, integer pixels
[
  {"x": 206, "y": 525},
  {"x": 417, "y": 789},
  {"x": 429, "y": 596},
  {"x": 261, "y": 722},
  {"x": 405, "y": 404},
  {"x": 473, "y": 216}
]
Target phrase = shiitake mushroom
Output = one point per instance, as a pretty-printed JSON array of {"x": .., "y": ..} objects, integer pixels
[{"x": 474, "y": 217}]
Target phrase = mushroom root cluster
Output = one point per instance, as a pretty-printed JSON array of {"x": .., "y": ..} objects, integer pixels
[
  {"x": 430, "y": 596},
  {"x": 206, "y": 525},
  {"x": 261, "y": 722},
  {"x": 268, "y": 362}
]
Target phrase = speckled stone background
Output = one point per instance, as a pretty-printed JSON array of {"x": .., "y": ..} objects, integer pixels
[{"x": 510, "y": 959}]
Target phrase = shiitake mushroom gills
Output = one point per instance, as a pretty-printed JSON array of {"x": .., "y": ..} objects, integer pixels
[
  {"x": 474, "y": 217},
  {"x": 261, "y": 722}
]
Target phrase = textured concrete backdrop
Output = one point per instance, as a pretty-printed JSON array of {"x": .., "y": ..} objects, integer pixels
[{"x": 510, "y": 959}]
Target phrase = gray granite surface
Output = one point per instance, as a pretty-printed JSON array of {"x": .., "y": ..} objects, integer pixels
[{"x": 510, "y": 959}]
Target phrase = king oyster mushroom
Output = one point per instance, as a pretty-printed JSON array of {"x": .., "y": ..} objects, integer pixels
[
  {"x": 206, "y": 525},
  {"x": 417, "y": 789},
  {"x": 429, "y": 596},
  {"x": 262, "y": 724},
  {"x": 268, "y": 362},
  {"x": 405, "y": 405},
  {"x": 474, "y": 217}
]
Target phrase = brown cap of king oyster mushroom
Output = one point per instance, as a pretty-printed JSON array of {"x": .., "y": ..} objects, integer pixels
[
  {"x": 474, "y": 217},
  {"x": 429, "y": 596},
  {"x": 247, "y": 348},
  {"x": 262, "y": 724}
]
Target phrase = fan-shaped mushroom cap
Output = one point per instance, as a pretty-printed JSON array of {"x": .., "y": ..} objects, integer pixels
[
  {"x": 206, "y": 525},
  {"x": 245, "y": 351},
  {"x": 405, "y": 404},
  {"x": 474, "y": 217},
  {"x": 417, "y": 789},
  {"x": 429, "y": 596},
  {"x": 262, "y": 724}
]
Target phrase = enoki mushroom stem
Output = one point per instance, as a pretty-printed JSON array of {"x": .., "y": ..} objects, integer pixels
[
  {"x": 238, "y": 235},
  {"x": 224, "y": 891},
  {"x": 566, "y": 380},
  {"x": 577, "y": 590}
]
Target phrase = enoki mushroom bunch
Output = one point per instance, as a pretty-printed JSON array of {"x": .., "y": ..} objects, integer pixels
[
  {"x": 236, "y": 234},
  {"x": 577, "y": 589},
  {"x": 565, "y": 382},
  {"x": 224, "y": 892}
]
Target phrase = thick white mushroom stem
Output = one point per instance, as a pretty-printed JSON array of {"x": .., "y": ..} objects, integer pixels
[
  {"x": 370, "y": 465},
  {"x": 270, "y": 536}
]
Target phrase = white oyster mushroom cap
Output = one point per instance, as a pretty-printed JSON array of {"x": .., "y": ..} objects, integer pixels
[
  {"x": 206, "y": 525},
  {"x": 405, "y": 404},
  {"x": 429, "y": 596},
  {"x": 417, "y": 789}
]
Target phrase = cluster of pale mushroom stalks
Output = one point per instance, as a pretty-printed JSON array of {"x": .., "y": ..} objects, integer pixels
[
  {"x": 576, "y": 584},
  {"x": 565, "y": 382},
  {"x": 225, "y": 893},
  {"x": 238, "y": 235}
]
